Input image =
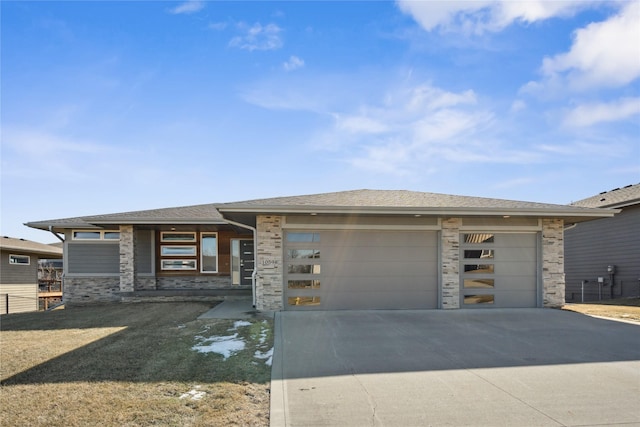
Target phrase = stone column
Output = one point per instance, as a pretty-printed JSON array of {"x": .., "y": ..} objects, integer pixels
[
  {"x": 450, "y": 262},
  {"x": 127, "y": 258},
  {"x": 553, "y": 262},
  {"x": 269, "y": 262}
]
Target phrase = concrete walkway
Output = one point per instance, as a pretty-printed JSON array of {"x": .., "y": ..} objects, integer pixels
[{"x": 522, "y": 367}]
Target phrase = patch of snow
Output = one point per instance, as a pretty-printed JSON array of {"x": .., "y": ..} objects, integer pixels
[
  {"x": 194, "y": 394},
  {"x": 268, "y": 355},
  {"x": 240, "y": 323},
  {"x": 226, "y": 346},
  {"x": 181, "y": 326}
]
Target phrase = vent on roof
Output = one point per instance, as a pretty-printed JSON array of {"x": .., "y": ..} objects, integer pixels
[{"x": 603, "y": 199}]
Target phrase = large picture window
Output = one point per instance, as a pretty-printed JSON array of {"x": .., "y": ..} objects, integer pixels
[{"x": 209, "y": 252}]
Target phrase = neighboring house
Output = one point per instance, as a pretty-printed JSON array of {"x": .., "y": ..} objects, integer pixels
[
  {"x": 363, "y": 249},
  {"x": 608, "y": 248},
  {"x": 19, "y": 273}
]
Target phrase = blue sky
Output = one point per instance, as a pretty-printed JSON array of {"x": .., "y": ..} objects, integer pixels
[{"x": 120, "y": 106}]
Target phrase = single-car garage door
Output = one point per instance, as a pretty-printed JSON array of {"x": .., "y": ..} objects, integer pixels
[
  {"x": 498, "y": 270},
  {"x": 361, "y": 270}
]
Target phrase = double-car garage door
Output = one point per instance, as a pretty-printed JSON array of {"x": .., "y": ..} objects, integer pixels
[
  {"x": 356, "y": 269},
  {"x": 361, "y": 270}
]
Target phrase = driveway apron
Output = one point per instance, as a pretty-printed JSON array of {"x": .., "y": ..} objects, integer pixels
[{"x": 504, "y": 367}]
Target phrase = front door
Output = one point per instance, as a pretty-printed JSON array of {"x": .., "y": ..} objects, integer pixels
[{"x": 242, "y": 261}]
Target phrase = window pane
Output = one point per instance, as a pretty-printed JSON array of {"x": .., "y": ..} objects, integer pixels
[
  {"x": 19, "y": 259},
  {"x": 478, "y": 299},
  {"x": 112, "y": 235},
  {"x": 304, "y": 300},
  {"x": 479, "y": 283},
  {"x": 178, "y": 237},
  {"x": 478, "y": 238},
  {"x": 209, "y": 253},
  {"x": 179, "y": 264},
  {"x": 86, "y": 235},
  {"x": 304, "y": 284},
  {"x": 304, "y": 269},
  {"x": 478, "y": 268},
  {"x": 479, "y": 253},
  {"x": 178, "y": 251},
  {"x": 303, "y": 237},
  {"x": 303, "y": 253}
]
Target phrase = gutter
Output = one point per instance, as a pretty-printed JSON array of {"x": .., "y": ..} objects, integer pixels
[{"x": 255, "y": 250}]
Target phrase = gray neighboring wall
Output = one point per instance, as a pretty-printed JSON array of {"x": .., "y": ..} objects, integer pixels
[
  {"x": 592, "y": 246},
  {"x": 19, "y": 282}
]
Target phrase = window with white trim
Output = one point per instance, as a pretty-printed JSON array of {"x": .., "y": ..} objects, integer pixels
[
  {"x": 95, "y": 235},
  {"x": 209, "y": 252},
  {"x": 19, "y": 259}
]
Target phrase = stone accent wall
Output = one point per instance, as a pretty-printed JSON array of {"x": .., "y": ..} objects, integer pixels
[
  {"x": 193, "y": 282},
  {"x": 451, "y": 262},
  {"x": 269, "y": 262},
  {"x": 553, "y": 262},
  {"x": 127, "y": 258},
  {"x": 145, "y": 283},
  {"x": 91, "y": 290}
]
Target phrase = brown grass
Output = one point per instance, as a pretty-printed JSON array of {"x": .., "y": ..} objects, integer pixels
[
  {"x": 130, "y": 365},
  {"x": 622, "y": 308}
]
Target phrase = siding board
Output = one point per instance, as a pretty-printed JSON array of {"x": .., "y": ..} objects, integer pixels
[{"x": 93, "y": 258}]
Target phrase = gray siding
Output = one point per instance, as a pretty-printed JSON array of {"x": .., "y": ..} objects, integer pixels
[
  {"x": 144, "y": 251},
  {"x": 591, "y": 246},
  {"x": 93, "y": 258},
  {"x": 12, "y": 273}
]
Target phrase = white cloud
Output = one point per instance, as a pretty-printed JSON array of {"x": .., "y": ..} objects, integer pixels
[
  {"x": 258, "y": 37},
  {"x": 217, "y": 26},
  {"x": 591, "y": 114},
  {"x": 476, "y": 17},
  {"x": 603, "y": 54},
  {"x": 293, "y": 63},
  {"x": 190, "y": 6}
]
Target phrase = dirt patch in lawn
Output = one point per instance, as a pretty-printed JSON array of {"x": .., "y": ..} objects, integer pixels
[
  {"x": 134, "y": 365},
  {"x": 623, "y": 308}
]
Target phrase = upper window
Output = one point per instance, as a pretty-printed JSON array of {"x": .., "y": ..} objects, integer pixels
[
  {"x": 172, "y": 236},
  {"x": 209, "y": 252},
  {"x": 19, "y": 259},
  {"x": 178, "y": 251},
  {"x": 96, "y": 235}
]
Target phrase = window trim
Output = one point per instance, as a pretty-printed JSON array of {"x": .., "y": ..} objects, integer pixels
[
  {"x": 195, "y": 265},
  {"x": 101, "y": 235},
  {"x": 193, "y": 233},
  {"x": 204, "y": 234},
  {"x": 28, "y": 257}
]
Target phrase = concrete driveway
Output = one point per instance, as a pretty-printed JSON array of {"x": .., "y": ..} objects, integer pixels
[{"x": 520, "y": 367}]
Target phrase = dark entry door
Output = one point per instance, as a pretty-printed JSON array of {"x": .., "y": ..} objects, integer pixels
[{"x": 247, "y": 261}]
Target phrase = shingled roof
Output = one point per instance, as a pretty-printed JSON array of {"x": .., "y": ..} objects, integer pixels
[
  {"x": 616, "y": 198},
  {"x": 408, "y": 202},
  {"x": 196, "y": 214},
  {"x": 385, "y": 202},
  {"x": 27, "y": 246}
]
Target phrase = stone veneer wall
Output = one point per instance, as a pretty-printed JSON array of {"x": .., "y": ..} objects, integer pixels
[
  {"x": 91, "y": 290},
  {"x": 553, "y": 284},
  {"x": 269, "y": 286},
  {"x": 450, "y": 258},
  {"x": 145, "y": 283},
  {"x": 193, "y": 282},
  {"x": 127, "y": 258}
]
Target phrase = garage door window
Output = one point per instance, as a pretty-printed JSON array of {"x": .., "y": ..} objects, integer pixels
[
  {"x": 479, "y": 268},
  {"x": 479, "y": 283},
  {"x": 297, "y": 237},
  {"x": 304, "y": 284},
  {"x": 303, "y": 253},
  {"x": 304, "y": 269},
  {"x": 303, "y": 300},
  {"x": 478, "y": 299}
]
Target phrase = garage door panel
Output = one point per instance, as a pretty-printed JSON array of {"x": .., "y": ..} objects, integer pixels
[
  {"x": 516, "y": 254},
  {"x": 374, "y": 269},
  {"x": 373, "y": 284},
  {"x": 368, "y": 270},
  {"x": 516, "y": 240},
  {"x": 365, "y": 254},
  {"x": 380, "y": 301},
  {"x": 516, "y": 268}
]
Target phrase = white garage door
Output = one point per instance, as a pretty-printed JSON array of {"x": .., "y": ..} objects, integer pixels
[
  {"x": 498, "y": 270},
  {"x": 355, "y": 269}
]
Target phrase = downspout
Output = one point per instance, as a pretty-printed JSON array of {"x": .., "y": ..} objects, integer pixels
[{"x": 255, "y": 250}]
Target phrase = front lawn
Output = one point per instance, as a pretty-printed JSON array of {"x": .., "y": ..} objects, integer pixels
[
  {"x": 621, "y": 308},
  {"x": 134, "y": 365}
]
